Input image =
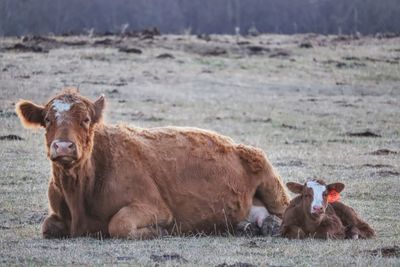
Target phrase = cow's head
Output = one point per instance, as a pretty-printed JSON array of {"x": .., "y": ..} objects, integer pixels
[
  {"x": 69, "y": 120},
  {"x": 314, "y": 195}
]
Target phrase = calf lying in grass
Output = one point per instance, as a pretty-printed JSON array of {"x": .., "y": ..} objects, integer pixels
[{"x": 317, "y": 213}]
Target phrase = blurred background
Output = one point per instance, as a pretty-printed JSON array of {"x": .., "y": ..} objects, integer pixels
[{"x": 21, "y": 17}]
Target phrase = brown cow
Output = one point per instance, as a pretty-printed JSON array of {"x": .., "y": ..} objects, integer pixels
[
  {"x": 312, "y": 215},
  {"x": 131, "y": 182}
]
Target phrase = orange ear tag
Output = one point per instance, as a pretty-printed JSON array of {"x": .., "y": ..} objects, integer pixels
[{"x": 333, "y": 196}]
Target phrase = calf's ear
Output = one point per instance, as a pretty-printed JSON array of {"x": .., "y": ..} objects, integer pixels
[
  {"x": 30, "y": 114},
  {"x": 295, "y": 187},
  {"x": 99, "y": 105},
  {"x": 338, "y": 187}
]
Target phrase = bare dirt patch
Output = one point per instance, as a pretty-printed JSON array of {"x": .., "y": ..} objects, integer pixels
[
  {"x": 391, "y": 251},
  {"x": 11, "y": 137}
]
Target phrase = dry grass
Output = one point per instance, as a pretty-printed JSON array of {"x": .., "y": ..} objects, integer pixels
[{"x": 298, "y": 108}]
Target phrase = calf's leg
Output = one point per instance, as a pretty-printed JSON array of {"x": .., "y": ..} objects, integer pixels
[
  {"x": 352, "y": 233},
  {"x": 365, "y": 231},
  {"x": 355, "y": 226},
  {"x": 139, "y": 222},
  {"x": 329, "y": 233},
  {"x": 292, "y": 232}
]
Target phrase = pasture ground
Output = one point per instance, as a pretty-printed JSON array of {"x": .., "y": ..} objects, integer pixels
[{"x": 319, "y": 106}]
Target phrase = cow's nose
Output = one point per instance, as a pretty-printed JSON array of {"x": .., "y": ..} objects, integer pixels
[
  {"x": 318, "y": 209},
  {"x": 63, "y": 148}
]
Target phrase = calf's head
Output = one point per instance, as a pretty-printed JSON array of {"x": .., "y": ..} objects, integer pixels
[
  {"x": 314, "y": 195},
  {"x": 69, "y": 120}
]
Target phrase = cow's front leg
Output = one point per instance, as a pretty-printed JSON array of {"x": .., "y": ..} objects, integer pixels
[
  {"x": 56, "y": 225},
  {"x": 139, "y": 222}
]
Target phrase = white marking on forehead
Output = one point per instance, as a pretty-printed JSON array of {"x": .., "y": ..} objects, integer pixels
[
  {"x": 318, "y": 189},
  {"x": 60, "y": 107}
]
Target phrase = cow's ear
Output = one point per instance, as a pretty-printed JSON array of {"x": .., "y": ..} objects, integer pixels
[
  {"x": 99, "y": 105},
  {"x": 295, "y": 187},
  {"x": 338, "y": 187},
  {"x": 30, "y": 114}
]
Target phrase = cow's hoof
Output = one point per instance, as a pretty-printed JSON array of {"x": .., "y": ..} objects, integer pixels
[
  {"x": 246, "y": 228},
  {"x": 54, "y": 228},
  {"x": 271, "y": 226}
]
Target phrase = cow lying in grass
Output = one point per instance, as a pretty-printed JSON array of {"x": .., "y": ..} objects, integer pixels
[
  {"x": 317, "y": 213},
  {"x": 137, "y": 183}
]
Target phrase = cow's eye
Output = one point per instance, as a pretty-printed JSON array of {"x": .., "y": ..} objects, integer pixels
[
  {"x": 86, "y": 121},
  {"x": 47, "y": 121}
]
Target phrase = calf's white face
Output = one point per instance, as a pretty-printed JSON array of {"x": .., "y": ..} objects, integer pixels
[
  {"x": 314, "y": 195},
  {"x": 319, "y": 196}
]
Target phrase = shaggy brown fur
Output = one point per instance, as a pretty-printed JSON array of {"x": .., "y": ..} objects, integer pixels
[
  {"x": 337, "y": 220},
  {"x": 138, "y": 183}
]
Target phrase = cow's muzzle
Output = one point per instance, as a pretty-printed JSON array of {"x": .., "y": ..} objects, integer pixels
[{"x": 63, "y": 151}]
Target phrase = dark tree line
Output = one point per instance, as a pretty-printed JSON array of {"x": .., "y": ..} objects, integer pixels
[{"x": 20, "y": 17}]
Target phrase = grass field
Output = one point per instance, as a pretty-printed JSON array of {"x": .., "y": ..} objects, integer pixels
[{"x": 312, "y": 103}]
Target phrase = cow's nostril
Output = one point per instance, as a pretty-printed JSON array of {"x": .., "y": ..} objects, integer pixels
[{"x": 64, "y": 147}]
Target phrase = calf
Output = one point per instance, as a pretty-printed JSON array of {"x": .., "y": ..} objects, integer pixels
[
  {"x": 317, "y": 213},
  {"x": 137, "y": 183}
]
